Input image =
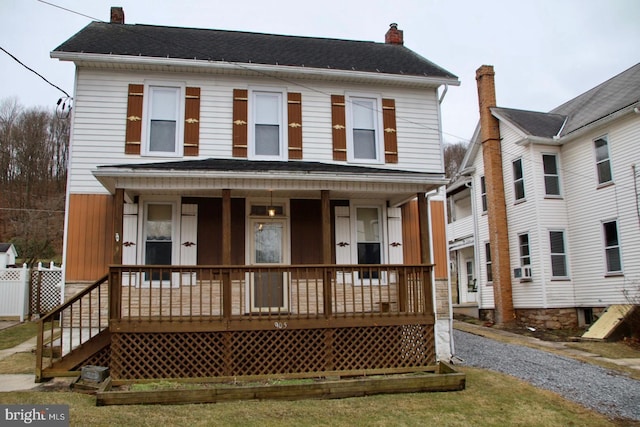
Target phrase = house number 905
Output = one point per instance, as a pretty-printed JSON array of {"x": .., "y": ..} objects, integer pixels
[{"x": 280, "y": 325}]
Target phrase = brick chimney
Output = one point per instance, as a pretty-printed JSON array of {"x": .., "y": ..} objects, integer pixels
[
  {"x": 117, "y": 15},
  {"x": 497, "y": 210},
  {"x": 394, "y": 35}
]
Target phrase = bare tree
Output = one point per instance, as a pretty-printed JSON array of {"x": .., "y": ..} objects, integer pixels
[
  {"x": 33, "y": 159},
  {"x": 453, "y": 156}
]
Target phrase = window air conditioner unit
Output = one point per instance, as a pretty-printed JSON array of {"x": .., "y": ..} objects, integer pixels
[{"x": 526, "y": 272}]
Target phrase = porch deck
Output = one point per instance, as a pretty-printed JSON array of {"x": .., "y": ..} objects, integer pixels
[{"x": 197, "y": 321}]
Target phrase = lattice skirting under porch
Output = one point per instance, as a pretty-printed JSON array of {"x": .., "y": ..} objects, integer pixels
[{"x": 269, "y": 352}]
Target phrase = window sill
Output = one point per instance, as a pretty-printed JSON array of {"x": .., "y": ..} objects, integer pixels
[
  {"x": 614, "y": 274},
  {"x": 519, "y": 201},
  {"x": 605, "y": 185},
  {"x": 553, "y": 197},
  {"x": 560, "y": 279}
]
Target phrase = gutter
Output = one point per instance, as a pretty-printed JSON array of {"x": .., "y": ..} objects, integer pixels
[{"x": 301, "y": 71}]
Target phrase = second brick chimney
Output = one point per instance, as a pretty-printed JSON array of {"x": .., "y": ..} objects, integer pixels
[
  {"x": 394, "y": 35},
  {"x": 117, "y": 15},
  {"x": 496, "y": 204}
]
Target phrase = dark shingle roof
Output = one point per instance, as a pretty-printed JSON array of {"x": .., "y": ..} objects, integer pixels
[
  {"x": 613, "y": 95},
  {"x": 241, "y": 165},
  {"x": 246, "y": 47},
  {"x": 4, "y": 247},
  {"x": 533, "y": 122}
]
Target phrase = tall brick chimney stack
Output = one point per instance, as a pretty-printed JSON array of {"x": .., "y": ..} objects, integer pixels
[
  {"x": 497, "y": 210},
  {"x": 117, "y": 15},
  {"x": 394, "y": 35}
]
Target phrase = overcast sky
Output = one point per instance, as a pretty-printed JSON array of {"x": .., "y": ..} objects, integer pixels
[{"x": 545, "y": 52}]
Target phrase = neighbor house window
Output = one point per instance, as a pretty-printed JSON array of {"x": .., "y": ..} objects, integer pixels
[
  {"x": 525, "y": 254},
  {"x": 267, "y": 139},
  {"x": 487, "y": 250},
  {"x": 603, "y": 161},
  {"x": 612, "y": 247},
  {"x": 558, "y": 254},
  {"x": 163, "y": 127},
  {"x": 518, "y": 180},
  {"x": 363, "y": 136},
  {"x": 483, "y": 194},
  {"x": 551, "y": 176}
]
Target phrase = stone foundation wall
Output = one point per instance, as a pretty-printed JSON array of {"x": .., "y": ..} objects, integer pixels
[
  {"x": 442, "y": 299},
  {"x": 549, "y": 318}
]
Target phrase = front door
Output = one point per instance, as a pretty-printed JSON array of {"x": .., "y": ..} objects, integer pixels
[{"x": 269, "y": 290}]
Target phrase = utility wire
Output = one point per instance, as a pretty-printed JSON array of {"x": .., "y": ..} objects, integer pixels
[{"x": 33, "y": 71}]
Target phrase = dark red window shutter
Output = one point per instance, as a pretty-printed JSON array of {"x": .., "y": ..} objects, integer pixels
[
  {"x": 390, "y": 135},
  {"x": 294, "y": 112},
  {"x": 192, "y": 121},
  {"x": 133, "y": 135},
  {"x": 338, "y": 125},
  {"x": 240, "y": 117}
]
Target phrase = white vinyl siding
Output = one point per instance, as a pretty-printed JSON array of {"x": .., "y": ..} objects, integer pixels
[{"x": 100, "y": 116}]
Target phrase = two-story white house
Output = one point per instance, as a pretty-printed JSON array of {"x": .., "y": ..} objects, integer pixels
[
  {"x": 568, "y": 240},
  {"x": 262, "y": 197}
]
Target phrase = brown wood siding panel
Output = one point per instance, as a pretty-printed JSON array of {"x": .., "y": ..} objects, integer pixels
[
  {"x": 410, "y": 233},
  {"x": 294, "y": 113},
  {"x": 238, "y": 215},
  {"x": 240, "y": 118},
  {"x": 133, "y": 135},
  {"x": 338, "y": 126},
  {"x": 439, "y": 239},
  {"x": 192, "y": 121},
  {"x": 306, "y": 220},
  {"x": 88, "y": 244},
  {"x": 390, "y": 134}
]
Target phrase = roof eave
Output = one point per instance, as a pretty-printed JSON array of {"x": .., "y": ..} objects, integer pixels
[{"x": 307, "y": 72}]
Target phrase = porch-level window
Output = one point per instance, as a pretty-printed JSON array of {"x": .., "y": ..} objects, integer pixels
[
  {"x": 369, "y": 235},
  {"x": 158, "y": 235},
  {"x": 612, "y": 247},
  {"x": 525, "y": 255},
  {"x": 487, "y": 250},
  {"x": 558, "y": 254}
]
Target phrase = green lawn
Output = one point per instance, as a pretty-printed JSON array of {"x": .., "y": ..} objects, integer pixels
[{"x": 18, "y": 334}]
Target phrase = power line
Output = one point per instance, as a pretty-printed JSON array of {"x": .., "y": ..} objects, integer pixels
[{"x": 33, "y": 71}]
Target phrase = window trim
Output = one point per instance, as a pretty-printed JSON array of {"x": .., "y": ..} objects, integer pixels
[
  {"x": 180, "y": 88},
  {"x": 518, "y": 181},
  {"x": 605, "y": 138},
  {"x": 556, "y": 176},
  {"x": 378, "y": 124},
  {"x": 564, "y": 254},
  {"x": 618, "y": 247},
  {"x": 283, "y": 117}
]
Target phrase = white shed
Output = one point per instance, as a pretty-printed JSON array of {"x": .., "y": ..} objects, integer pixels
[{"x": 8, "y": 255}]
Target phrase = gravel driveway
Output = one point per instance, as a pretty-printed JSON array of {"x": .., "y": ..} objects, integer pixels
[{"x": 602, "y": 390}]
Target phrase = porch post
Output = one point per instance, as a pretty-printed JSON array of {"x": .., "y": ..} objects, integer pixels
[
  {"x": 117, "y": 218},
  {"x": 423, "y": 221},
  {"x": 326, "y": 251},
  {"x": 226, "y": 253}
]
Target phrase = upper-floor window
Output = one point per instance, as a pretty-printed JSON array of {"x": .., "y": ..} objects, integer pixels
[
  {"x": 267, "y": 138},
  {"x": 603, "y": 161},
  {"x": 525, "y": 254},
  {"x": 612, "y": 247},
  {"x": 363, "y": 136},
  {"x": 163, "y": 121},
  {"x": 518, "y": 180},
  {"x": 558, "y": 254},
  {"x": 487, "y": 250},
  {"x": 483, "y": 194},
  {"x": 551, "y": 175}
]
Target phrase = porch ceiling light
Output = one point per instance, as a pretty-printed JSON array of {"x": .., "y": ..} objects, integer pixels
[{"x": 271, "y": 210}]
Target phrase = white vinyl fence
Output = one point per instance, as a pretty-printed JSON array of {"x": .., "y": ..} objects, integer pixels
[
  {"x": 14, "y": 292},
  {"x": 25, "y": 292}
]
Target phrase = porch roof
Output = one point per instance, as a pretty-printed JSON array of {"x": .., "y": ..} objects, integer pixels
[{"x": 298, "y": 178}]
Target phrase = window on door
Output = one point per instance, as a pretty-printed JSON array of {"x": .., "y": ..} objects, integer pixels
[
  {"x": 158, "y": 247},
  {"x": 368, "y": 235}
]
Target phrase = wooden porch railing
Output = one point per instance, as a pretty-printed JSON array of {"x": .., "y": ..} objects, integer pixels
[{"x": 215, "y": 298}]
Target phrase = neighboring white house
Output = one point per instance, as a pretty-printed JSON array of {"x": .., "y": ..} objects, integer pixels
[
  {"x": 572, "y": 208},
  {"x": 8, "y": 255}
]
